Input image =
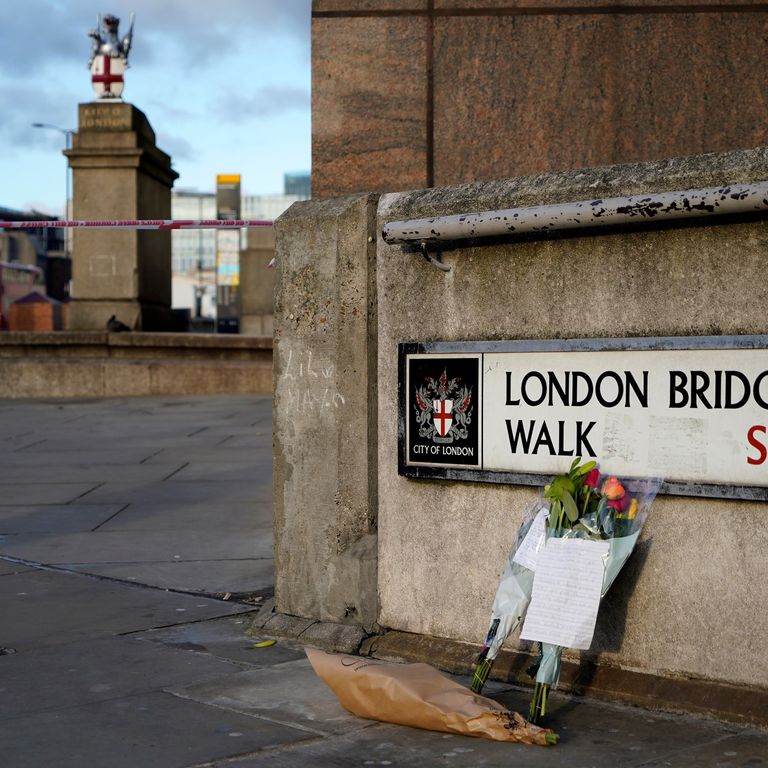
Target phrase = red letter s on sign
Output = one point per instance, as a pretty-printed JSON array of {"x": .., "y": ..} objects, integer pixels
[{"x": 757, "y": 445}]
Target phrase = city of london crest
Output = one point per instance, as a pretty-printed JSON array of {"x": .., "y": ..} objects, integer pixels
[
  {"x": 109, "y": 57},
  {"x": 443, "y": 409}
]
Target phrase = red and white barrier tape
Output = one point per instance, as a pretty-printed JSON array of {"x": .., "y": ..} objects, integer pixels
[{"x": 138, "y": 224}]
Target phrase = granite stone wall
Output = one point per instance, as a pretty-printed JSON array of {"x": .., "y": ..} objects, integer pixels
[{"x": 419, "y": 93}]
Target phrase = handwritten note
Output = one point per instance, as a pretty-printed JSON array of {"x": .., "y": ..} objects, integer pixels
[
  {"x": 566, "y": 593},
  {"x": 528, "y": 551}
]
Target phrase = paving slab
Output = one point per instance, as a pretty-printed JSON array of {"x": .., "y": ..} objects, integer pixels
[
  {"x": 55, "y": 518},
  {"x": 748, "y": 749},
  {"x": 96, "y": 474},
  {"x": 202, "y": 515},
  {"x": 152, "y": 731},
  {"x": 225, "y": 639},
  {"x": 602, "y": 734},
  {"x": 232, "y": 472},
  {"x": 96, "y": 669},
  {"x": 238, "y": 442},
  {"x": 114, "y": 493},
  {"x": 84, "y": 455},
  {"x": 399, "y": 747},
  {"x": 9, "y": 568},
  {"x": 616, "y": 736},
  {"x": 157, "y": 437},
  {"x": 203, "y": 576},
  {"x": 110, "y": 547},
  {"x": 221, "y": 454},
  {"x": 286, "y": 693},
  {"x": 37, "y": 493},
  {"x": 51, "y": 608}
]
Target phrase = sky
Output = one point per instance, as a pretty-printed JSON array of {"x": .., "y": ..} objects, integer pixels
[{"x": 225, "y": 86}]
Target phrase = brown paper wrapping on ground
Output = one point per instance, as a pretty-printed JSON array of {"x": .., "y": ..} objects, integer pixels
[{"x": 420, "y": 696}]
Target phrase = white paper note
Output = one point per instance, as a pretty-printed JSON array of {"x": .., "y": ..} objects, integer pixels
[
  {"x": 566, "y": 593},
  {"x": 528, "y": 551}
]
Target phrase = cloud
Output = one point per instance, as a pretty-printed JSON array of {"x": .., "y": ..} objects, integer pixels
[
  {"x": 176, "y": 146},
  {"x": 24, "y": 106},
  {"x": 46, "y": 32},
  {"x": 267, "y": 101}
]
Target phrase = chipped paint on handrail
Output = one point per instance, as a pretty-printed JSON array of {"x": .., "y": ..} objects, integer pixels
[{"x": 542, "y": 219}]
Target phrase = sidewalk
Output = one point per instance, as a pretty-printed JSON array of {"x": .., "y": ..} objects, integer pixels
[{"x": 136, "y": 554}]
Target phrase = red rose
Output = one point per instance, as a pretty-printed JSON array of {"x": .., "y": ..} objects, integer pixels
[
  {"x": 620, "y": 505},
  {"x": 592, "y": 480}
]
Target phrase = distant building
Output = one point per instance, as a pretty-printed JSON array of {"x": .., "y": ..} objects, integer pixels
[
  {"x": 298, "y": 183},
  {"x": 194, "y": 251},
  {"x": 29, "y": 246},
  {"x": 42, "y": 248}
]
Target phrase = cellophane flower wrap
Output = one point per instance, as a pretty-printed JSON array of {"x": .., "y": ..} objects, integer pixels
[
  {"x": 585, "y": 505},
  {"x": 511, "y": 600}
]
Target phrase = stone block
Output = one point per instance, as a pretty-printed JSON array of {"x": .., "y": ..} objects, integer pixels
[
  {"x": 336, "y": 638},
  {"x": 283, "y": 625},
  {"x": 575, "y": 106},
  {"x": 369, "y": 104},
  {"x": 67, "y": 364},
  {"x": 262, "y": 616},
  {"x": 324, "y": 416},
  {"x": 257, "y": 280},
  {"x": 413, "y": 94},
  {"x": 257, "y": 325}
]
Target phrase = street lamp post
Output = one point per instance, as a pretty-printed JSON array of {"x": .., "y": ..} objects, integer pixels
[
  {"x": 68, "y": 133},
  {"x": 57, "y": 289}
]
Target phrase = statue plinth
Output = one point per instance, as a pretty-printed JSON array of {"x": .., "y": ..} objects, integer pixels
[{"x": 119, "y": 173}]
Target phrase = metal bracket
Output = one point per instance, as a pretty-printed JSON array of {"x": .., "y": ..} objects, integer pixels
[{"x": 432, "y": 259}]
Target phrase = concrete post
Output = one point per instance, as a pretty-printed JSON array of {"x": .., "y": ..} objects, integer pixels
[
  {"x": 325, "y": 395},
  {"x": 119, "y": 173},
  {"x": 257, "y": 283}
]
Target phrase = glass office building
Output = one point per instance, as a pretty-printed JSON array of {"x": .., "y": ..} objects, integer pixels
[{"x": 195, "y": 249}]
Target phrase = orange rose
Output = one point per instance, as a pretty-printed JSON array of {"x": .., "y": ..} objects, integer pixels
[{"x": 613, "y": 489}]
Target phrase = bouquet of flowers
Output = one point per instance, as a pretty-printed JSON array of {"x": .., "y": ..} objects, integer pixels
[
  {"x": 584, "y": 506},
  {"x": 577, "y": 505}
]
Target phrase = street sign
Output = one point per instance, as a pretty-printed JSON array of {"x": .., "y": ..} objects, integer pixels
[{"x": 693, "y": 411}]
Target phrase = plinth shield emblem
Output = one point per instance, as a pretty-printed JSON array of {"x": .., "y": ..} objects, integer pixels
[{"x": 107, "y": 76}]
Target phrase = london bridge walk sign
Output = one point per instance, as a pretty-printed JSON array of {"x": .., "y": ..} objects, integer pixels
[{"x": 693, "y": 410}]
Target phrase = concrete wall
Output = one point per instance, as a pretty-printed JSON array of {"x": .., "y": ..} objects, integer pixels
[
  {"x": 691, "y": 609},
  {"x": 691, "y": 603},
  {"x": 419, "y": 93},
  {"x": 100, "y": 364}
]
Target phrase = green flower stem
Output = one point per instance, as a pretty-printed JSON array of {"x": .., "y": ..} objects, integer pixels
[
  {"x": 482, "y": 671},
  {"x": 539, "y": 704}
]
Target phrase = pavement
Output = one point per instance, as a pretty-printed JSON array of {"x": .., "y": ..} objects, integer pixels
[{"x": 136, "y": 576}]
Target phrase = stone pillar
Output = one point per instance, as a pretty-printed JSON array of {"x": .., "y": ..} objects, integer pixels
[
  {"x": 119, "y": 173},
  {"x": 257, "y": 283},
  {"x": 325, "y": 398}
]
